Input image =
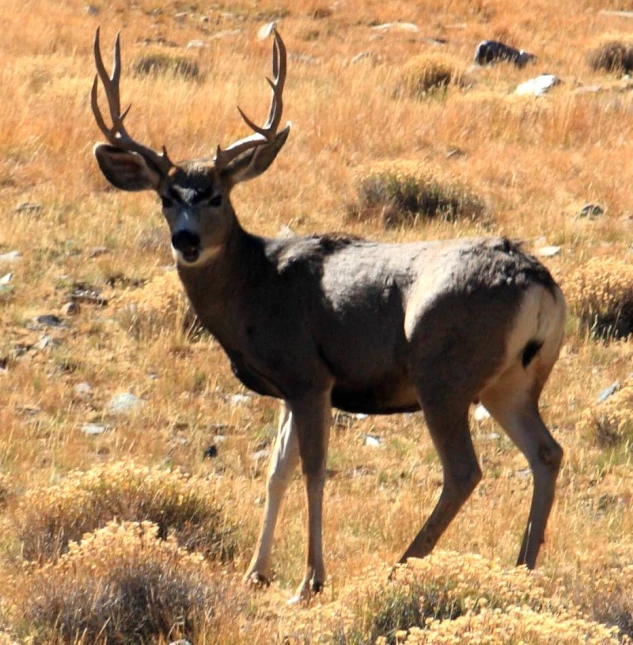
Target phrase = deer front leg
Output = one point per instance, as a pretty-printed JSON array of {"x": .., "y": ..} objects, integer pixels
[
  {"x": 312, "y": 420},
  {"x": 282, "y": 465}
]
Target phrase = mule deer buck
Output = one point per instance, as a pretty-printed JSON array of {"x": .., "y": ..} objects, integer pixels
[{"x": 327, "y": 320}]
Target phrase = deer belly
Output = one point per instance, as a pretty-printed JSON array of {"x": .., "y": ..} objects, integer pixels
[{"x": 389, "y": 396}]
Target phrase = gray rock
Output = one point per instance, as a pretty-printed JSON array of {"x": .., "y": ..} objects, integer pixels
[
  {"x": 123, "y": 403},
  {"x": 82, "y": 389},
  {"x": 609, "y": 391},
  {"x": 481, "y": 414},
  {"x": 11, "y": 257},
  {"x": 241, "y": 399},
  {"x": 70, "y": 308},
  {"x": 548, "y": 251},
  {"x": 92, "y": 429},
  {"x": 371, "y": 441},
  {"x": 538, "y": 86},
  {"x": 43, "y": 342},
  {"x": 5, "y": 279},
  {"x": 591, "y": 211},
  {"x": 49, "y": 320}
]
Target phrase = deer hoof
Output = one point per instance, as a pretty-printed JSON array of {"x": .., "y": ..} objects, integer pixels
[{"x": 256, "y": 580}]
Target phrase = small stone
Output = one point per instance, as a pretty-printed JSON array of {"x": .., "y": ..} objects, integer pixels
[
  {"x": 548, "y": 251},
  {"x": 91, "y": 10},
  {"x": 92, "y": 429},
  {"x": 28, "y": 207},
  {"x": 43, "y": 342},
  {"x": 481, "y": 413},
  {"x": 11, "y": 257},
  {"x": 123, "y": 403},
  {"x": 371, "y": 441},
  {"x": 591, "y": 211},
  {"x": 397, "y": 26},
  {"x": 538, "y": 86},
  {"x": 241, "y": 399},
  {"x": 210, "y": 452},
  {"x": 5, "y": 279},
  {"x": 83, "y": 389},
  {"x": 70, "y": 309},
  {"x": 361, "y": 415},
  {"x": 492, "y": 436},
  {"x": 196, "y": 44},
  {"x": 609, "y": 391},
  {"x": 49, "y": 320},
  {"x": 96, "y": 251}
]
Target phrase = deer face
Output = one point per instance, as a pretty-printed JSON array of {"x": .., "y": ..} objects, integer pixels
[{"x": 194, "y": 194}]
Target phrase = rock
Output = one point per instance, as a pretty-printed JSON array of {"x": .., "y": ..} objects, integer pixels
[
  {"x": 43, "y": 342},
  {"x": 49, "y": 320},
  {"x": 83, "y": 389},
  {"x": 609, "y": 391},
  {"x": 266, "y": 30},
  {"x": 70, "y": 309},
  {"x": 210, "y": 452},
  {"x": 397, "y": 26},
  {"x": 10, "y": 258},
  {"x": 591, "y": 211},
  {"x": 92, "y": 429},
  {"x": 538, "y": 86},
  {"x": 96, "y": 251},
  {"x": 123, "y": 403},
  {"x": 196, "y": 44},
  {"x": 28, "y": 207},
  {"x": 371, "y": 441},
  {"x": 241, "y": 399},
  {"x": 91, "y": 10},
  {"x": 493, "y": 51},
  {"x": 5, "y": 279},
  {"x": 548, "y": 251},
  {"x": 481, "y": 413}
]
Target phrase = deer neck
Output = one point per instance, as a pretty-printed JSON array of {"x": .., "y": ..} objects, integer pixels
[{"x": 221, "y": 288}]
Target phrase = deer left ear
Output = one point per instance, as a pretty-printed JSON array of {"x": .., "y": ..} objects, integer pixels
[
  {"x": 125, "y": 170},
  {"x": 254, "y": 162}
]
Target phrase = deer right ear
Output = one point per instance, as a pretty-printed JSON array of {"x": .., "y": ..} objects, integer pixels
[{"x": 125, "y": 170}]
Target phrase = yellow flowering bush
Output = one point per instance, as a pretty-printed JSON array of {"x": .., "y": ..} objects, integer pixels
[
  {"x": 402, "y": 191},
  {"x": 48, "y": 518},
  {"x": 600, "y": 293},
  {"x": 448, "y": 598},
  {"x": 122, "y": 584}
]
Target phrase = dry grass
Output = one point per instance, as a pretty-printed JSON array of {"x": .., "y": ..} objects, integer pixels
[{"x": 533, "y": 164}]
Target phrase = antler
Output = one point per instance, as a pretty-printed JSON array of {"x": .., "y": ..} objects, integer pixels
[
  {"x": 268, "y": 131},
  {"x": 117, "y": 135}
]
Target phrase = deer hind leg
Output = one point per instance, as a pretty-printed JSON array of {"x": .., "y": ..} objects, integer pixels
[
  {"x": 448, "y": 426},
  {"x": 282, "y": 465},
  {"x": 513, "y": 403}
]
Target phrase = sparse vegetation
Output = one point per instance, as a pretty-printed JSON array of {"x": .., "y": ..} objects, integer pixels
[
  {"x": 404, "y": 193},
  {"x": 48, "y": 518},
  {"x": 615, "y": 56},
  {"x": 429, "y": 73},
  {"x": 122, "y": 584},
  {"x": 443, "y": 158}
]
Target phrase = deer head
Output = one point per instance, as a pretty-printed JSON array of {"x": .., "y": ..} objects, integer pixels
[{"x": 195, "y": 193}]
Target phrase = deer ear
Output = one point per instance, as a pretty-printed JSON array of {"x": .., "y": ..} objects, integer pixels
[
  {"x": 254, "y": 162},
  {"x": 125, "y": 170}
]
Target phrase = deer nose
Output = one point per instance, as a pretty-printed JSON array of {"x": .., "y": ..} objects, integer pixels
[{"x": 187, "y": 244}]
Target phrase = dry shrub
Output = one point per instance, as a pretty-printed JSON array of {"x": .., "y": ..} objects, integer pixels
[
  {"x": 400, "y": 193},
  {"x": 601, "y": 295},
  {"x": 160, "y": 306},
  {"x": 123, "y": 584},
  {"x": 610, "y": 423},
  {"x": 428, "y": 73},
  {"x": 613, "y": 56},
  {"x": 165, "y": 65},
  {"x": 450, "y": 597},
  {"x": 48, "y": 518}
]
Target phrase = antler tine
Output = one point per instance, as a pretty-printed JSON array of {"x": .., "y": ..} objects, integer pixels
[
  {"x": 117, "y": 135},
  {"x": 268, "y": 131}
]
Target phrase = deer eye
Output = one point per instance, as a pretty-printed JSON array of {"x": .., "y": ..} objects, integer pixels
[{"x": 215, "y": 201}]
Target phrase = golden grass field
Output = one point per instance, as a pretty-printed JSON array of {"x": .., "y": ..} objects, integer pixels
[{"x": 533, "y": 163}]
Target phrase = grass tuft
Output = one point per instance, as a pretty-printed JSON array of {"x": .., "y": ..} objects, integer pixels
[
  {"x": 613, "y": 56},
  {"x": 429, "y": 73},
  {"x": 401, "y": 193},
  {"x": 165, "y": 65}
]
